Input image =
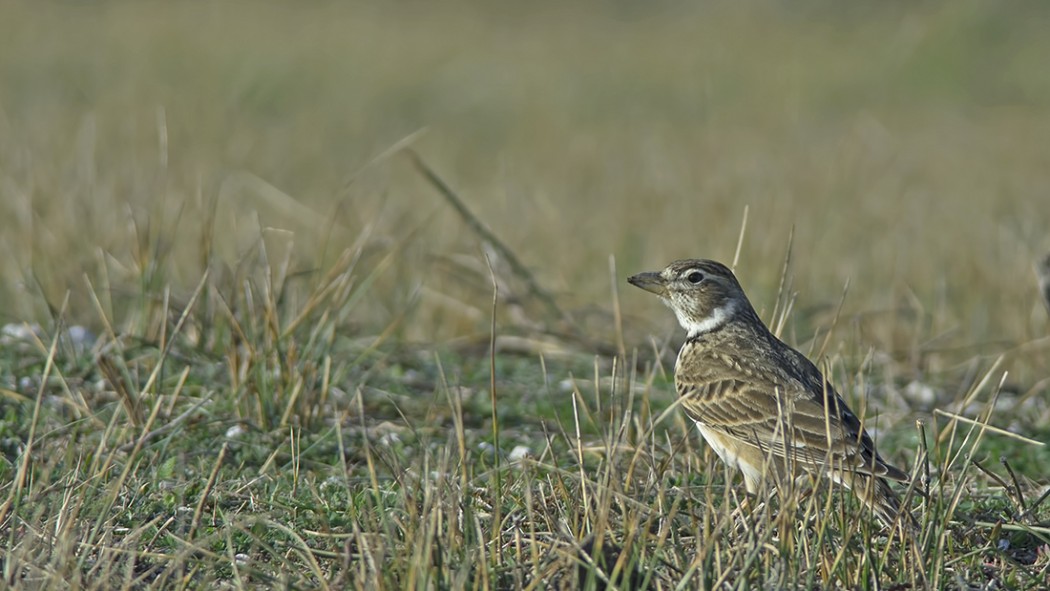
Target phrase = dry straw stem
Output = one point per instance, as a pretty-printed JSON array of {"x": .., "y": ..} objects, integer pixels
[
  {"x": 497, "y": 501},
  {"x": 486, "y": 235},
  {"x": 984, "y": 426}
]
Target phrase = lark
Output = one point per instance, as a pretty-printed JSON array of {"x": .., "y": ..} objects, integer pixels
[{"x": 762, "y": 406}]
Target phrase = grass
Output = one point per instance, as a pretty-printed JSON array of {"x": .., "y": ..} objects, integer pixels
[{"x": 308, "y": 370}]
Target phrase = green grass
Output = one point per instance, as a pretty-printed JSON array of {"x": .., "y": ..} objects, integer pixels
[{"x": 293, "y": 385}]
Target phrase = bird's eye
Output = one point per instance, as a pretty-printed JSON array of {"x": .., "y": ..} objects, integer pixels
[{"x": 695, "y": 277}]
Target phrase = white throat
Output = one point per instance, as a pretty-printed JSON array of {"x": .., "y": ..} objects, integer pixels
[{"x": 718, "y": 317}]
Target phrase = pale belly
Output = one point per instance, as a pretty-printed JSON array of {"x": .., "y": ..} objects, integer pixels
[{"x": 745, "y": 458}]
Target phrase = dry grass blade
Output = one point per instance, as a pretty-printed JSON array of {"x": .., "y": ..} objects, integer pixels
[
  {"x": 497, "y": 501},
  {"x": 986, "y": 427},
  {"x": 991, "y": 475},
  {"x": 740, "y": 238},
  {"x": 479, "y": 228},
  {"x": 199, "y": 509},
  {"x": 242, "y": 182},
  {"x": 116, "y": 380},
  {"x": 621, "y": 347},
  {"x": 1017, "y": 490},
  {"x": 781, "y": 307},
  {"x": 1035, "y": 506}
]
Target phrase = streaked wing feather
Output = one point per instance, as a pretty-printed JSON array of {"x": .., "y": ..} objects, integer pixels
[{"x": 749, "y": 411}]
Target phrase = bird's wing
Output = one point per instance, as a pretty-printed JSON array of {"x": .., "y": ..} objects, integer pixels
[{"x": 782, "y": 416}]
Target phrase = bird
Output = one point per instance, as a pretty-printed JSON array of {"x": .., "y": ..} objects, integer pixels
[{"x": 762, "y": 406}]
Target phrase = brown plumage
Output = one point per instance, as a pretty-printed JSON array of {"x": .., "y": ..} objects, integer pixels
[{"x": 761, "y": 405}]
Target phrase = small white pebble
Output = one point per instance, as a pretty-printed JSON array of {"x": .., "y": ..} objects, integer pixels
[
  {"x": 519, "y": 452},
  {"x": 486, "y": 447},
  {"x": 235, "y": 431},
  {"x": 241, "y": 559},
  {"x": 81, "y": 336},
  {"x": 920, "y": 392},
  {"x": 389, "y": 439},
  {"x": 19, "y": 331},
  {"x": 1004, "y": 544}
]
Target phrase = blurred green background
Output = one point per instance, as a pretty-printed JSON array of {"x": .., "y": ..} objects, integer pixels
[{"x": 905, "y": 144}]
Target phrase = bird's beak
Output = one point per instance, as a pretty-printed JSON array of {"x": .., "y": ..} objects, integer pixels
[{"x": 651, "y": 282}]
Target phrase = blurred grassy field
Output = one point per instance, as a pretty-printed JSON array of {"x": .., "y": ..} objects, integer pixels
[
  {"x": 904, "y": 145},
  {"x": 142, "y": 144}
]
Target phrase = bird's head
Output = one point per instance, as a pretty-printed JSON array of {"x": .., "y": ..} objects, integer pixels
[{"x": 704, "y": 294}]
